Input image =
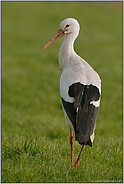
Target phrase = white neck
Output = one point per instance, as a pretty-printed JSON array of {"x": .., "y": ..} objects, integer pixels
[
  {"x": 67, "y": 44},
  {"x": 66, "y": 50}
]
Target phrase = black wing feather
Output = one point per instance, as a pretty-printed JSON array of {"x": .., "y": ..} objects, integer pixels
[{"x": 81, "y": 113}]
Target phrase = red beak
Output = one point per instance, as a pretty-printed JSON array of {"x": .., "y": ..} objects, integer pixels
[{"x": 55, "y": 37}]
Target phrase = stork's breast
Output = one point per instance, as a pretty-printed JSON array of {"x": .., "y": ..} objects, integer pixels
[{"x": 68, "y": 78}]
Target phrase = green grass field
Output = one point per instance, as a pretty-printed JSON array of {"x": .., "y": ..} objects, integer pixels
[{"x": 35, "y": 138}]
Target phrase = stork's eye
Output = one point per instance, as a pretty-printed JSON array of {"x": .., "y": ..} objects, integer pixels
[{"x": 67, "y": 25}]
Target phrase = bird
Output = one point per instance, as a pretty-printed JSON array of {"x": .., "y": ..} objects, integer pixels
[{"x": 80, "y": 87}]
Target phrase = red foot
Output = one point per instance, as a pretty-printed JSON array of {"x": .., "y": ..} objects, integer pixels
[{"x": 77, "y": 164}]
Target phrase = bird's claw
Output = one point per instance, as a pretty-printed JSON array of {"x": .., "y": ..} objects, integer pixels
[{"x": 77, "y": 164}]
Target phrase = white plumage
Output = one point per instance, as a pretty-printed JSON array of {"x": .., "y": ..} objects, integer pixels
[{"x": 80, "y": 87}]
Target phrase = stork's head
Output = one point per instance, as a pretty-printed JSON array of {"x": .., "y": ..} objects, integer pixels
[{"x": 67, "y": 26}]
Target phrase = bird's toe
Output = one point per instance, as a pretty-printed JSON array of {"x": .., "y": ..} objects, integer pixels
[{"x": 77, "y": 164}]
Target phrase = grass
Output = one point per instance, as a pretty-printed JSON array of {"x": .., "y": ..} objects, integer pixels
[{"x": 35, "y": 138}]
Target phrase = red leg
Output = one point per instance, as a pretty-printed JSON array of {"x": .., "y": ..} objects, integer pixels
[
  {"x": 71, "y": 143},
  {"x": 77, "y": 162}
]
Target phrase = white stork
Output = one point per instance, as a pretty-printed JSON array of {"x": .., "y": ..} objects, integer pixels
[{"x": 80, "y": 87}]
